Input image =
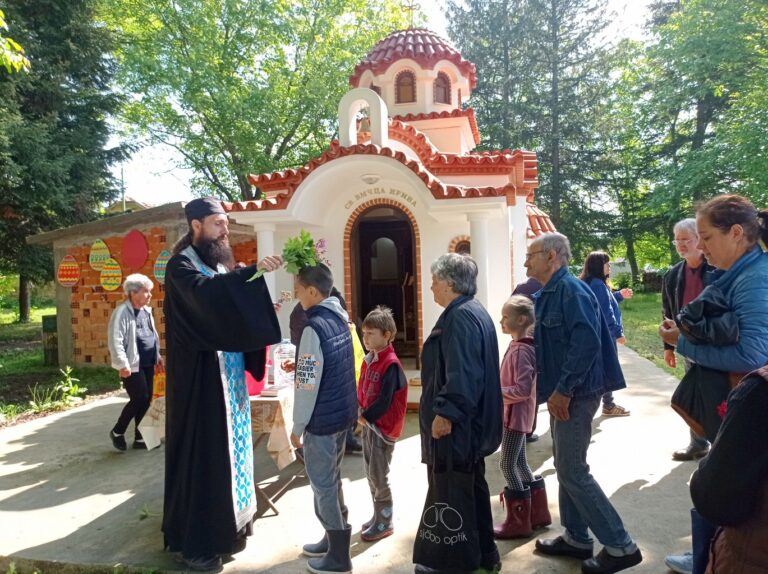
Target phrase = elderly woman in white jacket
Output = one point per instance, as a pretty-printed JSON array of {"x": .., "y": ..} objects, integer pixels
[{"x": 135, "y": 349}]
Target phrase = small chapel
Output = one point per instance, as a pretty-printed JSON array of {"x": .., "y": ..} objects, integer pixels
[{"x": 400, "y": 187}]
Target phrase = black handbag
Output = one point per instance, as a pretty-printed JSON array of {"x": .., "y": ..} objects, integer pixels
[
  {"x": 700, "y": 399},
  {"x": 447, "y": 537}
]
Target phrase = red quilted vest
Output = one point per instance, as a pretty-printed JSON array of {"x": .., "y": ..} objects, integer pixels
[{"x": 391, "y": 422}]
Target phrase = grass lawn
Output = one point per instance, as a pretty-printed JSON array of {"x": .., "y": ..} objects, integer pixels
[
  {"x": 21, "y": 365},
  {"x": 641, "y": 316}
]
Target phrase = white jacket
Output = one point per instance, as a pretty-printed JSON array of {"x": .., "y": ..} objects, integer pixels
[{"x": 121, "y": 337}]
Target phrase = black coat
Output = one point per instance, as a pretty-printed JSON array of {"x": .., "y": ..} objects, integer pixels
[
  {"x": 204, "y": 315},
  {"x": 709, "y": 320},
  {"x": 460, "y": 382},
  {"x": 673, "y": 287}
]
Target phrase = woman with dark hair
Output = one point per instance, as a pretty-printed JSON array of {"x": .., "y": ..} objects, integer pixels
[
  {"x": 732, "y": 236},
  {"x": 597, "y": 269}
]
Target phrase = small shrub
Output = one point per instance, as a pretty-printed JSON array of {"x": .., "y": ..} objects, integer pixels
[
  {"x": 652, "y": 281},
  {"x": 63, "y": 394},
  {"x": 622, "y": 281}
]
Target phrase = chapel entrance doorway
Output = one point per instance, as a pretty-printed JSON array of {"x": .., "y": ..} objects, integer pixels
[{"x": 383, "y": 265}]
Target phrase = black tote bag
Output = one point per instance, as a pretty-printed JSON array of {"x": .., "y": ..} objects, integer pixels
[
  {"x": 700, "y": 399},
  {"x": 447, "y": 537}
]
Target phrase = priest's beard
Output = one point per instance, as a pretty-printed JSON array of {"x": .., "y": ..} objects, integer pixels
[{"x": 215, "y": 251}]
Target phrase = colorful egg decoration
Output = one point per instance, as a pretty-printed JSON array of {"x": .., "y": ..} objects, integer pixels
[
  {"x": 111, "y": 275},
  {"x": 135, "y": 250},
  {"x": 68, "y": 273},
  {"x": 99, "y": 254},
  {"x": 160, "y": 264}
]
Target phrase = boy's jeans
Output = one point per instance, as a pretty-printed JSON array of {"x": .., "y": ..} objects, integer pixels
[
  {"x": 377, "y": 456},
  {"x": 322, "y": 460},
  {"x": 583, "y": 504}
]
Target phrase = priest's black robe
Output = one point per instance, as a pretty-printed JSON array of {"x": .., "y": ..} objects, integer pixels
[{"x": 216, "y": 323}]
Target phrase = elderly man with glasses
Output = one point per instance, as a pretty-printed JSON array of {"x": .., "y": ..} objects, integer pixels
[{"x": 577, "y": 363}]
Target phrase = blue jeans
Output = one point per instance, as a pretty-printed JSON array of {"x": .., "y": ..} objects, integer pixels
[
  {"x": 583, "y": 504},
  {"x": 702, "y": 532},
  {"x": 322, "y": 460}
]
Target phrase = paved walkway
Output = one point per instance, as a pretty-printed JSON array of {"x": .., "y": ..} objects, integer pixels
[{"x": 70, "y": 503}]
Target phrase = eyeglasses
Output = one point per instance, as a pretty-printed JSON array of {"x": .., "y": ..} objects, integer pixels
[
  {"x": 532, "y": 253},
  {"x": 676, "y": 242}
]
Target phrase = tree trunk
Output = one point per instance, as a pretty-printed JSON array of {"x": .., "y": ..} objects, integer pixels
[
  {"x": 632, "y": 258},
  {"x": 554, "y": 106},
  {"x": 25, "y": 295}
]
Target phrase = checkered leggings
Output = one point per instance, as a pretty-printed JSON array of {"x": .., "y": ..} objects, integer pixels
[{"x": 513, "y": 463}]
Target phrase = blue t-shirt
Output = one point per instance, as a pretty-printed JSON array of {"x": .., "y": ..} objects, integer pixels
[{"x": 146, "y": 341}]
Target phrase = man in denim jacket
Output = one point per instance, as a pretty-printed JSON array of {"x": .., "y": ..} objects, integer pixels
[{"x": 577, "y": 363}]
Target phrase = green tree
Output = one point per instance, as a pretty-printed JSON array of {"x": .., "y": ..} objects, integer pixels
[
  {"x": 703, "y": 105},
  {"x": 543, "y": 71},
  {"x": 240, "y": 87},
  {"x": 12, "y": 56},
  {"x": 54, "y": 160}
]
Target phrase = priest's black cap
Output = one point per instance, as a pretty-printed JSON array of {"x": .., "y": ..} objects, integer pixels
[{"x": 202, "y": 207}]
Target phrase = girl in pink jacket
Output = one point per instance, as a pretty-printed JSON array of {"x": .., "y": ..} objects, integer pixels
[{"x": 524, "y": 496}]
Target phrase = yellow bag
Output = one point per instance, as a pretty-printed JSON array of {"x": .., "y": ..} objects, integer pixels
[
  {"x": 358, "y": 351},
  {"x": 158, "y": 383}
]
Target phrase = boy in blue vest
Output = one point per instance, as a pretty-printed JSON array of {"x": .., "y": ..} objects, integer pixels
[
  {"x": 382, "y": 396},
  {"x": 325, "y": 406}
]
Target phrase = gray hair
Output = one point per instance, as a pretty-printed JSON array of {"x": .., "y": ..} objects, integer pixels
[
  {"x": 556, "y": 241},
  {"x": 136, "y": 282},
  {"x": 688, "y": 224},
  {"x": 459, "y": 271}
]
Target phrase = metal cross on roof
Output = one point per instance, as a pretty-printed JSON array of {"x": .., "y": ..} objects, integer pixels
[{"x": 411, "y": 6}]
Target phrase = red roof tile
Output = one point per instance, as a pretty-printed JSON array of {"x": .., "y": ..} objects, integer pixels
[
  {"x": 538, "y": 221},
  {"x": 419, "y": 44}
]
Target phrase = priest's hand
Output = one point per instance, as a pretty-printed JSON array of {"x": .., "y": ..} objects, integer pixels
[
  {"x": 270, "y": 263},
  {"x": 296, "y": 441},
  {"x": 441, "y": 427}
]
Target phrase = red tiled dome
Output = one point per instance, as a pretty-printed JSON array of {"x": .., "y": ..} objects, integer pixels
[{"x": 419, "y": 44}]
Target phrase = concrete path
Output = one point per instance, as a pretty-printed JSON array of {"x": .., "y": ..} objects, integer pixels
[{"x": 70, "y": 503}]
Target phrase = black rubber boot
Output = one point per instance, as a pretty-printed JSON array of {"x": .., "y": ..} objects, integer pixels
[
  {"x": 337, "y": 559},
  {"x": 321, "y": 546}
]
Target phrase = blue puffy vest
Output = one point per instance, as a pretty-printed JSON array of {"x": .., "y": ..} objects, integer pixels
[{"x": 336, "y": 405}]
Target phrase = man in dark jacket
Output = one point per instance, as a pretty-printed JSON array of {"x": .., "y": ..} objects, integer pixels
[
  {"x": 461, "y": 394},
  {"x": 577, "y": 364},
  {"x": 681, "y": 285}
]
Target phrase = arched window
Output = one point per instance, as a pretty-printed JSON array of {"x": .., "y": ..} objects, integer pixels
[
  {"x": 405, "y": 88},
  {"x": 442, "y": 89}
]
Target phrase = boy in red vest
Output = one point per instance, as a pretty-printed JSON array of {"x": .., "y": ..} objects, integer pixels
[{"x": 382, "y": 395}]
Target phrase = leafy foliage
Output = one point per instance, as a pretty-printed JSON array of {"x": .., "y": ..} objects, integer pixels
[
  {"x": 54, "y": 155},
  {"x": 12, "y": 56},
  {"x": 240, "y": 87}
]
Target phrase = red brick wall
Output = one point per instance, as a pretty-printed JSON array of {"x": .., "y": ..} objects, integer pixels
[{"x": 92, "y": 305}]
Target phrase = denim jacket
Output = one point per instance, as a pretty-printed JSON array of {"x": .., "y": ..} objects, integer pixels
[
  {"x": 575, "y": 352},
  {"x": 745, "y": 287}
]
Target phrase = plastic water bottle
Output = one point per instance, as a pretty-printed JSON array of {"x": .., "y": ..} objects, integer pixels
[{"x": 284, "y": 362}]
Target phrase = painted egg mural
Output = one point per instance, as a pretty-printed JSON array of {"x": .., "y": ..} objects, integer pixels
[
  {"x": 99, "y": 254},
  {"x": 135, "y": 250},
  {"x": 160, "y": 264},
  {"x": 111, "y": 275},
  {"x": 68, "y": 273}
]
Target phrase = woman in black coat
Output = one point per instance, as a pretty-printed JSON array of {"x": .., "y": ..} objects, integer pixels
[{"x": 461, "y": 396}]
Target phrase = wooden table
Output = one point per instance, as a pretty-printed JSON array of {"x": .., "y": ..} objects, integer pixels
[{"x": 271, "y": 418}]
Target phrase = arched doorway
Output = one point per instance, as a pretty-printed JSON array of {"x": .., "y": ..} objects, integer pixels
[{"x": 383, "y": 253}]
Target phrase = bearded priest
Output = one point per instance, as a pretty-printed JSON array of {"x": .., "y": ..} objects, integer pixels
[{"x": 218, "y": 325}]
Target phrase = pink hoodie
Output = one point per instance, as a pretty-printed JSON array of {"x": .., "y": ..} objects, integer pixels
[{"x": 518, "y": 385}]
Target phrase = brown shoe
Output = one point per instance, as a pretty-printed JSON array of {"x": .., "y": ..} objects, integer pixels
[
  {"x": 691, "y": 452},
  {"x": 615, "y": 411}
]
